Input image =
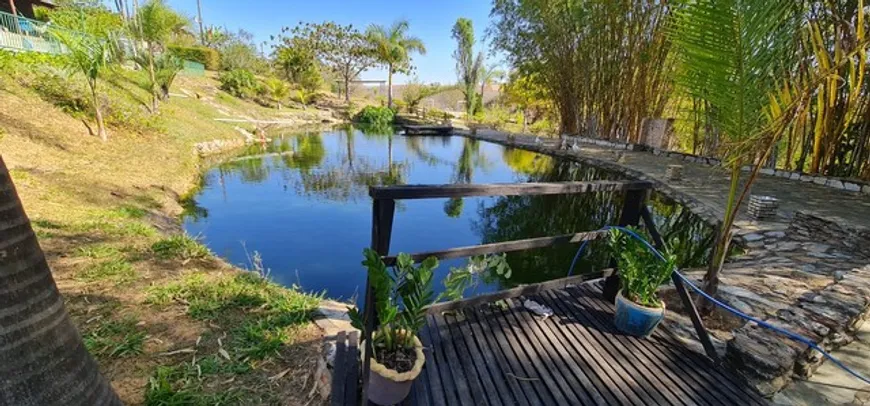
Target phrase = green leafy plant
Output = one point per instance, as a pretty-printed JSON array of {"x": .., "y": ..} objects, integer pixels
[
  {"x": 240, "y": 83},
  {"x": 480, "y": 268},
  {"x": 376, "y": 116},
  {"x": 640, "y": 271},
  {"x": 209, "y": 57},
  {"x": 401, "y": 295}
]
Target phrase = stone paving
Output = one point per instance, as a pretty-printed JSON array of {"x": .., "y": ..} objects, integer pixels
[{"x": 806, "y": 271}]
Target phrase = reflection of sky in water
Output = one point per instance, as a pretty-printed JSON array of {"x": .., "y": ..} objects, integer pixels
[{"x": 302, "y": 203}]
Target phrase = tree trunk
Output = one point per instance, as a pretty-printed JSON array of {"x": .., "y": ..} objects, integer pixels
[
  {"x": 101, "y": 127},
  {"x": 390, "y": 85},
  {"x": 12, "y": 7},
  {"x": 153, "y": 78},
  {"x": 723, "y": 244},
  {"x": 347, "y": 89},
  {"x": 44, "y": 359}
]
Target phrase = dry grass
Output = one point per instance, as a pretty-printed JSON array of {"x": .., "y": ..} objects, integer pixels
[{"x": 104, "y": 213}]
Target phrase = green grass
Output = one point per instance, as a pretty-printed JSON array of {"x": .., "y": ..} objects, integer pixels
[
  {"x": 172, "y": 386},
  {"x": 116, "y": 269},
  {"x": 115, "y": 339},
  {"x": 98, "y": 251},
  {"x": 261, "y": 316},
  {"x": 180, "y": 246}
]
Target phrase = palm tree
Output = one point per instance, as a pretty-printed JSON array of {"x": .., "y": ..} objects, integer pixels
[
  {"x": 393, "y": 47},
  {"x": 155, "y": 24},
  {"x": 735, "y": 55},
  {"x": 90, "y": 55},
  {"x": 44, "y": 359}
]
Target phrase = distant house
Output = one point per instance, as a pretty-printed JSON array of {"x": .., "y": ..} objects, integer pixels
[{"x": 24, "y": 8}]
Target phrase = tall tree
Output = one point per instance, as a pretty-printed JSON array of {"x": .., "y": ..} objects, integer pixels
[
  {"x": 468, "y": 67},
  {"x": 89, "y": 55},
  {"x": 392, "y": 46},
  {"x": 735, "y": 55},
  {"x": 44, "y": 359},
  {"x": 156, "y": 23},
  {"x": 340, "y": 48}
]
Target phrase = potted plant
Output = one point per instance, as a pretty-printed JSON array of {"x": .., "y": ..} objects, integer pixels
[
  {"x": 638, "y": 307},
  {"x": 400, "y": 296}
]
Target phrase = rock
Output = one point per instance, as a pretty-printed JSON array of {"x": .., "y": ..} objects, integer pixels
[
  {"x": 816, "y": 247},
  {"x": 834, "y": 183},
  {"x": 806, "y": 178},
  {"x": 761, "y": 357},
  {"x": 752, "y": 237},
  {"x": 852, "y": 187},
  {"x": 795, "y": 176},
  {"x": 839, "y": 275},
  {"x": 775, "y": 234},
  {"x": 820, "y": 180},
  {"x": 862, "y": 397},
  {"x": 767, "y": 171},
  {"x": 865, "y": 189}
]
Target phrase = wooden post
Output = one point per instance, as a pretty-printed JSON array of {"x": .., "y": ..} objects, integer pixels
[
  {"x": 703, "y": 336},
  {"x": 634, "y": 203},
  {"x": 382, "y": 228}
]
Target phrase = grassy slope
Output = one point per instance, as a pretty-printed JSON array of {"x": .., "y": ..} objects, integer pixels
[{"x": 151, "y": 306}]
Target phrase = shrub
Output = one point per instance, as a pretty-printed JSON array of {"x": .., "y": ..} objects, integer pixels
[
  {"x": 239, "y": 83},
  {"x": 376, "y": 116},
  {"x": 204, "y": 55}
]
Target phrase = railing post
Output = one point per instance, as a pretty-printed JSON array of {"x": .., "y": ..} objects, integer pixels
[
  {"x": 703, "y": 336},
  {"x": 635, "y": 201},
  {"x": 382, "y": 228}
]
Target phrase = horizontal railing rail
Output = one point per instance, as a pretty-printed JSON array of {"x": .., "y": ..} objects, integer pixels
[{"x": 407, "y": 192}]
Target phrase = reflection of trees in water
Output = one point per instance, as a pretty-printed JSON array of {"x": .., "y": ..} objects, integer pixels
[
  {"x": 470, "y": 158},
  {"x": 519, "y": 217},
  {"x": 526, "y": 162}
]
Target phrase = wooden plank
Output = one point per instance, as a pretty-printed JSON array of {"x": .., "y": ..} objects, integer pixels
[
  {"x": 625, "y": 346},
  {"x": 607, "y": 340},
  {"x": 511, "y": 293},
  {"x": 508, "y": 390},
  {"x": 352, "y": 367},
  {"x": 455, "y": 379},
  {"x": 429, "y": 381},
  {"x": 479, "y": 390},
  {"x": 573, "y": 389},
  {"x": 504, "y": 189},
  {"x": 521, "y": 371},
  {"x": 712, "y": 376},
  {"x": 547, "y": 386},
  {"x": 552, "y": 340},
  {"x": 622, "y": 379},
  {"x": 596, "y": 381},
  {"x": 666, "y": 367},
  {"x": 470, "y": 352},
  {"x": 340, "y": 372},
  {"x": 506, "y": 246},
  {"x": 437, "y": 366}
]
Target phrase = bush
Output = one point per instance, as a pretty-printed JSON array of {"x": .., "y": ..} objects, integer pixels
[
  {"x": 206, "y": 56},
  {"x": 239, "y": 83},
  {"x": 377, "y": 116}
]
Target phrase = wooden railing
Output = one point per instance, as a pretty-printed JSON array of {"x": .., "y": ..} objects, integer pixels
[{"x": 633, "y": 210}]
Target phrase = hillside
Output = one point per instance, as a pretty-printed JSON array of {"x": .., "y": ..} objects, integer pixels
[{"x": 166, "y": 321}]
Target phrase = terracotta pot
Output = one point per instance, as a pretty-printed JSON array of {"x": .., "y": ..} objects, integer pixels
[
  {"x": 389, "y": 387},
  {"x": 637, "y": 320}
]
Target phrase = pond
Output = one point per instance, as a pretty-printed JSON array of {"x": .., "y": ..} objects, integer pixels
[{"x": 300, "y": 205}]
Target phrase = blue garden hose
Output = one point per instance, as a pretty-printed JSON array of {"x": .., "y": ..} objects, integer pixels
[{"x": 795, "y": 337}]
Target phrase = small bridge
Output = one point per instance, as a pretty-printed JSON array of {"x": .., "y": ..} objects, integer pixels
[{"x": 480, "y": 353}]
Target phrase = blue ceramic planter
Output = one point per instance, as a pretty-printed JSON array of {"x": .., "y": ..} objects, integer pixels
[{"x": 634, "y": 319}]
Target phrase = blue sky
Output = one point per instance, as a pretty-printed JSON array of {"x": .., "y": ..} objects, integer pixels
[{"x": 430, "y": 20}]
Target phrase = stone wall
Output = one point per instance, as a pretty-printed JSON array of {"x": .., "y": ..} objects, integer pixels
[{"x": 853, "y": 239}]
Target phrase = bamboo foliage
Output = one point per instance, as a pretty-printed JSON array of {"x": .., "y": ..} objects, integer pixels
[{"x": 605, "y": 64}]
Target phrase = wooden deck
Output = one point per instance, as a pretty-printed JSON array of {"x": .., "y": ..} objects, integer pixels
[{"x": 487, "y": 354}]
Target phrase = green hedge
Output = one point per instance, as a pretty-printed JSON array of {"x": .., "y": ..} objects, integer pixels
[
  {"x": 206, "y": 56},
  {"x": 378, "y": 116}
]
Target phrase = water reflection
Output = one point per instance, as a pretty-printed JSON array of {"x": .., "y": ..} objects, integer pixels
[{"x": 301, "y": 200}]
